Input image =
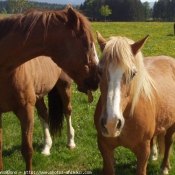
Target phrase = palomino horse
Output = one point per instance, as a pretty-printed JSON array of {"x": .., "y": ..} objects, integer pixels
[
  {"x": 39, "y": 76},
  {"x": 136, "y": 102},
  {"x": 66, "y": 37}
]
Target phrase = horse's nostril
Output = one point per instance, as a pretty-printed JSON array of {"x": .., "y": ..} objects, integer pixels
[
  {"x": 119, "y": 124},
  {"x": 103, "y": 122}
]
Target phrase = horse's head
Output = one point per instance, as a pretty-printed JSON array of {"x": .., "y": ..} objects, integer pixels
[
  {"x": 78, "y": 50},
  {"x": 117, "y": 69},
  {"x": 65, "y": 36}
]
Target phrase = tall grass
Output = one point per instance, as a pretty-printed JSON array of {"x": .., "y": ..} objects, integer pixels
[{"x": 86, "y": 157}]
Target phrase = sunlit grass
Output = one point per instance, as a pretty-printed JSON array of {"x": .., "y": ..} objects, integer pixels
[{"x": 86, "y": 156}]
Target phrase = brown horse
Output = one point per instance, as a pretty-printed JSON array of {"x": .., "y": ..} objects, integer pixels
[
  {"x": 66, "y": 37},
  {"x": 39, "y": 76},
  {"x": 136, "y": 102}
]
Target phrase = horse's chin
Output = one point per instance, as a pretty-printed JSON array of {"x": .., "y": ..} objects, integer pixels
[
  {"x": 82, "y": 89},
  {"x": 88, "y": 93},
  {"x": 116, "y": 134},
  {"x": 88, "y": 86}
]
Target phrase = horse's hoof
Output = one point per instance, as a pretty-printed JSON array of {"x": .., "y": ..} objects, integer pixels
[
  {"x": 164, "y": 171},
  {"x": 153, "y": 158},
  {"x": 45, "y": 153},
  {"x": 71, "y": 147}
]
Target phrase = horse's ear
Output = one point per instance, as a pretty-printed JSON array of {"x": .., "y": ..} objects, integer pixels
[
  {"x": 73, "y": 19},
  {"x": 137, "y": 46},
  {"x": 101, "y": 41}
]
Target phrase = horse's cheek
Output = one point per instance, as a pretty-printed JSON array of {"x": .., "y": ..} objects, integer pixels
[{"x": 125, "y": 96}]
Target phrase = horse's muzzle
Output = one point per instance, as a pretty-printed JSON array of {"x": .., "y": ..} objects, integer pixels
[
  {"x": 92, "y": 84},
  {"x": 111, "y": 128}
]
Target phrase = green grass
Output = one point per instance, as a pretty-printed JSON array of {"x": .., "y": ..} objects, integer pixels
[
  {"x": 5, "y": 15},
  {"x": 86, "y": 156}
]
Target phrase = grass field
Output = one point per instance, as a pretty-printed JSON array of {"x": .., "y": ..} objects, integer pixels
[
  {"x": 86, "y": 156},
  {"x": 4, "y": 15}
]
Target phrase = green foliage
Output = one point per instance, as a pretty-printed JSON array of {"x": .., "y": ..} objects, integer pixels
[
  {"x": 3, "y": 11},
  {"x": 19, "y": 5},
  {"x": 122, "y": 10},
  {"x": 147, "y": 10},
  {"x": 164, "y": 10},
  {"x": 16, "y": 6},
  {"x": 86, "y": 156},
  {"x": 105, "y": 11}
]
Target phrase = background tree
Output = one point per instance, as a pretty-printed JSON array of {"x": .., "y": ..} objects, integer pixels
[
  {"x": 147, "y": 10},
  {"x": 19, "y": 5},
  {"x": 88, "y": 8},
  {"x": 105, "y": 11},
  {"x": 3, "y": 11},
  {"x": 122, "y": 10},
  {"x": 164, "y": 10}
]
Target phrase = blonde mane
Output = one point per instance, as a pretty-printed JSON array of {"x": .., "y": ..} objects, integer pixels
[{"x": 118, "y": 51}]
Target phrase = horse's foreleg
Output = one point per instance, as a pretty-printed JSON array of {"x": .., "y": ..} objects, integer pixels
[
  {"x": 42, "y": 112},
  {"x": 26, "y": 117},
  {"x": 108, "y": 156},
  {"x": 70, "y": 133},
  {"x": 165, "y": 167},
  {"x": 142, "y": 152},
  {"x": 1, "y": 164},
  {"x": 154, "y": 152}
]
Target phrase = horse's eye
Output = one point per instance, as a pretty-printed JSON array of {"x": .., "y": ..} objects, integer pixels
[{"x": 134, "y": 72}]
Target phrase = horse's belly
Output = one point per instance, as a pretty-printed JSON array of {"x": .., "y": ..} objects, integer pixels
[
  {"x": 165, "y": 117},
  {"x": 44, "y": 85},
  {"x": 43, "y": 89}
]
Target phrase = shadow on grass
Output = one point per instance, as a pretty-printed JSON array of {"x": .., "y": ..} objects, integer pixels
[
  {"x": 170, "y": 35},
  {"x": 97, "y": 172},
  {"x": 130, "y": 169},
  {"x": 8, "y": 152}
]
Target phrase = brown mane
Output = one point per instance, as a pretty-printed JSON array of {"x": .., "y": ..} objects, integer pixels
[{"x": 26, "y": 22}]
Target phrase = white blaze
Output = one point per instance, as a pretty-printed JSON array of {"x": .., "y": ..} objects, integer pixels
[
  {"x": 113, "y": 94},
  {"x": 95, "y": 54}
]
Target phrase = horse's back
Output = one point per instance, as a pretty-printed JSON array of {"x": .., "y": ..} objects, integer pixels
[
  {"x": 160, "y": 63},
  {"x": 162, "y": 70}
]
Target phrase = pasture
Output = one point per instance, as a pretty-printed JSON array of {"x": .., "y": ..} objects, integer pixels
[{"x": 86, "y": 157}]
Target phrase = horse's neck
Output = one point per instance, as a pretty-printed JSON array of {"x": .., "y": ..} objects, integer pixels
[{"x": 15, "y": 49}]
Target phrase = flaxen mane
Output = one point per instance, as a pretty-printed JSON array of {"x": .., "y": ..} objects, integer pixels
[
  {"x": 118, "y": 51},
  {"x": 26, "y": 22}
]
